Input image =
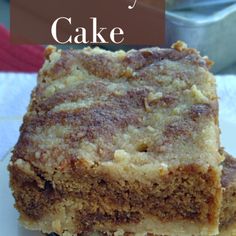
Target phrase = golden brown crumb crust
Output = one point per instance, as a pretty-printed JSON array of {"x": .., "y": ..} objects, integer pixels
[{"x": 155, "y": 80}]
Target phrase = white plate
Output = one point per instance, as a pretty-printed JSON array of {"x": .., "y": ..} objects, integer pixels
[{"x": 227, "y": 92}]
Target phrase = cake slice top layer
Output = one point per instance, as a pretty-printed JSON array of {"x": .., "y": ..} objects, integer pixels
[{"x": 149, "y": 107}]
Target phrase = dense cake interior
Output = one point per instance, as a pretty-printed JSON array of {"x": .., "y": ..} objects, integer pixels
[
  {"x": 33, "y": 201},
  {"x": 111, "y": 140},
  {"x": 96, "y": 201}
]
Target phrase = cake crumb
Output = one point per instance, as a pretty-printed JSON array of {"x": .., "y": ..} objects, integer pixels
[{"x": 179, "y": 46}]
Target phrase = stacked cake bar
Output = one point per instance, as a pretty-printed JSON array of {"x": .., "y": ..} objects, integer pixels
[
  {"x": 122, "y": 142},
  {"x": 228, "y": 208}
]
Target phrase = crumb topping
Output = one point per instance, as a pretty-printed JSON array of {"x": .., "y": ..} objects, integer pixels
[{"x": 148, "y": 105}]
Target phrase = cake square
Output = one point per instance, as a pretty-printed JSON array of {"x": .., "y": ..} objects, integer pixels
[
  {"x": 228, "y": 209},
  {"x": 120, "y": 142}
]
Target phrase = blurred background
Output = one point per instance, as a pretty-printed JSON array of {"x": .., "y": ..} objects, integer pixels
[
  {"x": 4, "y": 13},
  {"x": 208, "y": 25}
]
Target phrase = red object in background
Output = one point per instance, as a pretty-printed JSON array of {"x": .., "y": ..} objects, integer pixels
[{"x": 19, "y": 58}]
